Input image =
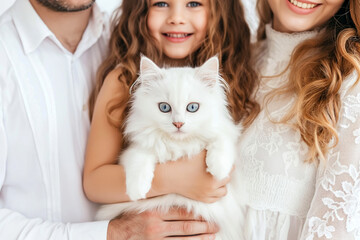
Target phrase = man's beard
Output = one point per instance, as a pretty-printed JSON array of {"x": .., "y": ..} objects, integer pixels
[{"x": 62, "y": 6}]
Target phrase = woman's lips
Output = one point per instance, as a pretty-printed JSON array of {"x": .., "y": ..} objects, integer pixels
[{"x": 302, "y": 7}]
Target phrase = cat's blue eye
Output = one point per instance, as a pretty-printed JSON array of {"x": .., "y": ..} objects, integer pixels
[
  {"x": 192, "y": 107},
  {"x": 160, "y": 4},
  {"x": 164, "y": 107},
  {"x": 193, "y": 4}
]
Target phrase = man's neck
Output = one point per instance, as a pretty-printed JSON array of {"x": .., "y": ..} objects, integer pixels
[{"x": 68, "y": 27}]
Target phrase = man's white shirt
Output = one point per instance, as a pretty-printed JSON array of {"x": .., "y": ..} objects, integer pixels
[
  {"x": 5, "y": 5},
  {"x": 44, "y": 123}
]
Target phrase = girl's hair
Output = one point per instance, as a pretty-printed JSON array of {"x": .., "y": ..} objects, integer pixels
[
  {"x": 228, "y": 36},
  {"x": 317, "y": 69}
]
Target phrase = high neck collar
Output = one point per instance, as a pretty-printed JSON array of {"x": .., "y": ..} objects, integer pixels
[{"x": 281, "y": 45}]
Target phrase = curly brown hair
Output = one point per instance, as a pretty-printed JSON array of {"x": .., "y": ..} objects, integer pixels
[
  {"x": 228, "y": 37},
  {"x": 317, "y": 69}
]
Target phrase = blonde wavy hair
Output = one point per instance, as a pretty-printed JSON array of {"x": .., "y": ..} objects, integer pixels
[
  {"x": 317, "y": 69},
  {"x": 228, "y": 36}
]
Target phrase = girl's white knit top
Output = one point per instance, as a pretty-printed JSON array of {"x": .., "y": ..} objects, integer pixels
[{"x": 281, "y": 196}]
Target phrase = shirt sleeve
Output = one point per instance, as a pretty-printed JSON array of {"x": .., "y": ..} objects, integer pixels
[
  {"x": 335, "y": 209},
  {"x": 15, "y": 226}
]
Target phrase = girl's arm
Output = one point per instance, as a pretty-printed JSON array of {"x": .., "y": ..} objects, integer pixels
[{"x": 104, "y": 179}]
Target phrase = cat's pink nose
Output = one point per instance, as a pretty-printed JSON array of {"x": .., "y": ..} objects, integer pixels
[{"x": 178, "y": 124}]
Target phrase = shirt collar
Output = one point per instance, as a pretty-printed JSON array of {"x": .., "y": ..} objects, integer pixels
[
  {"x": 5, "y": 5},
  {"x": 96, "y": 28},
  {"x": 33, "y": 30}
]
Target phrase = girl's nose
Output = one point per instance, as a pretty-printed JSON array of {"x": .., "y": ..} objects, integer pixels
[{"x": 177, "y": 16}]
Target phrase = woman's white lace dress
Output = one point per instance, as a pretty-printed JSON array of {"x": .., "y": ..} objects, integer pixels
[{"x": 281, "y": 196}]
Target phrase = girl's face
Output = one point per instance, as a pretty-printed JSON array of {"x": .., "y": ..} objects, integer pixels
[
  {"x": 179, "y": 26},
  {"x": 302, "y": 15}
]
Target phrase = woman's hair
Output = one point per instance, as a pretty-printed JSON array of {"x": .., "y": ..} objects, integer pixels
[
  {"x": 228, "y": 36},
  {"x": 317, "y": 69}
]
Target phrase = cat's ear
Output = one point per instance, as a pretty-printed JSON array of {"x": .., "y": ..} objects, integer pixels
[
  {"x": 148, "y": 69},
  {"x": 209, "y": 71}
]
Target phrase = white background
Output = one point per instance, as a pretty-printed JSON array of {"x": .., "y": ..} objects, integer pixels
[{"x": 108, "y": 5}]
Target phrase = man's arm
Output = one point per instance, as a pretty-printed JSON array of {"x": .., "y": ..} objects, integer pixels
[
  {"x": 144, "y": 226},
  {"x": 13, "y": 225}
]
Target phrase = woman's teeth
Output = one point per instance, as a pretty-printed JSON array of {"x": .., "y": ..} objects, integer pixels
[{"x": 303, "y": 5}]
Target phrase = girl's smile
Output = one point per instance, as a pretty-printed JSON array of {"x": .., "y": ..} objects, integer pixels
[{"x": 177, "y": 37}]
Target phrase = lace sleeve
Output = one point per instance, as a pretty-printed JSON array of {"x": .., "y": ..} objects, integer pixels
[{"x": 335, "y": 209}]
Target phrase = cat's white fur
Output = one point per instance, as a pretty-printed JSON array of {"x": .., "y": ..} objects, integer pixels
[{"x": 154, "y": 139}]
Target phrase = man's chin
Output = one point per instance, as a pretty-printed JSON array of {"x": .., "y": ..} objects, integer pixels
[{"x": 63, "y": 6}]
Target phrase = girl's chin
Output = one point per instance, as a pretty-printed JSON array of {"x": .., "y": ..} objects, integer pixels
[{"x": 176, "y": 62}]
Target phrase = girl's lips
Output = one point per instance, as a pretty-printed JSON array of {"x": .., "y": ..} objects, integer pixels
[
  {"x": 302, "y": 7},
  {"x": 177, "y": 37}
]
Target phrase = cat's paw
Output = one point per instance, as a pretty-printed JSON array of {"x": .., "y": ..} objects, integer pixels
[
  {"x": 219, "y": 173},
  {"x": 135, "y": 195},
  {"x": 139, "y": 167},
  {"x": 218, "y": 164},
  {"x": 139, "y": 186}
]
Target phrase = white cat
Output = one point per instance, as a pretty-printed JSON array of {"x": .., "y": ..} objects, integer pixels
[{"x": 176, "y": 112}]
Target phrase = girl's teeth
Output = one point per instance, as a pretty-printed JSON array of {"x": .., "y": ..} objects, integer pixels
[
  {"x": 302, "y": 5},
  {"x": 179, "y": 35}
]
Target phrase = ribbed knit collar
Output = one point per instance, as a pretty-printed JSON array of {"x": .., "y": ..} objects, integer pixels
[{"x": 281, "y": 45}]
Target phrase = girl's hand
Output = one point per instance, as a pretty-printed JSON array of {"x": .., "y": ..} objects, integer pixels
[{"x": 189, "y": 178}]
